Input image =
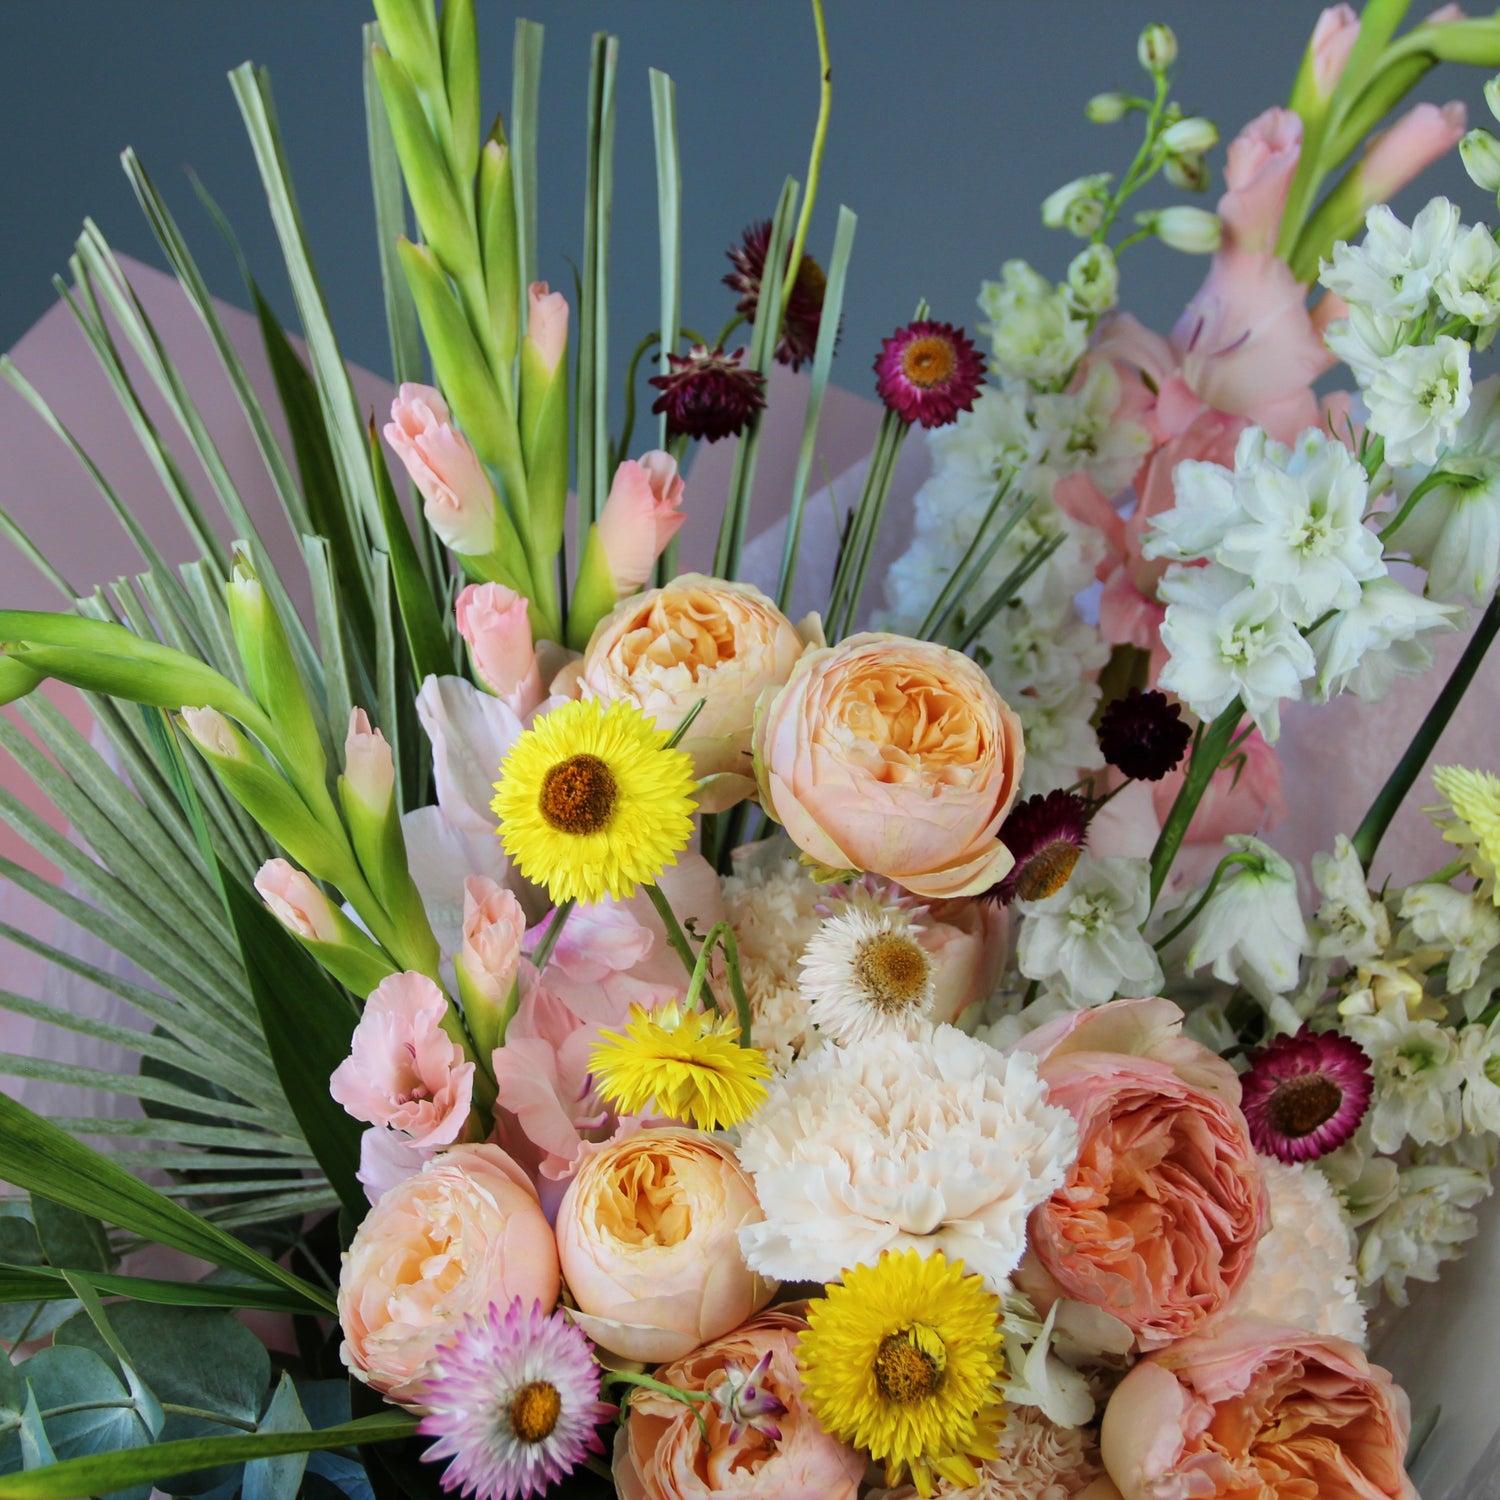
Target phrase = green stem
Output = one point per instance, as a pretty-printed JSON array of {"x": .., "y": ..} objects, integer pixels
[
  {"x": 627, "y": 428},
  {"x": 815, "y": 160},
  {"x": 1431, "y": 482},
  {"x": 1134, "y": 176},
  {"x": 677, "y": 938},
  {"x": 543, "y": 954},
  {"x": 689, "y": 1399},
  {"x": 1240, "y": 857},
  {"x": 722, "y": 934},
  {"x": 1207, "y": 755},
  {"x": 727, "y": 329},
  {"x": 1370, "y": 832}
]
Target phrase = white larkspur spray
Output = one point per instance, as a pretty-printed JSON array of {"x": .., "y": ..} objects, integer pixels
[
  {"x": 1393, "y": 271},
  {"x": 939, "y": 1143},
  {"x": 1469, "y": 286},
  {"x": 1365, "y": 648},
  {"x": 1418, "y": 397},
  {"x": 1465, "y": 926},
  {"x": 1033, "y": 332},
  {"x": 1427, "y": 1222},
  {"x": 1351, "y": 924},
  {"x": 864, "y": 972},
  {"x": 1417, "y": 1077}
]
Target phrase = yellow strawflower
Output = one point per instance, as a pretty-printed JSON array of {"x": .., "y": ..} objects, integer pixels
[{"x": 1470, "y": 818}]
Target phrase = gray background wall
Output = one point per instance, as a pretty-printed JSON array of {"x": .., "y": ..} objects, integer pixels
[{"x": 952, "y": 119}]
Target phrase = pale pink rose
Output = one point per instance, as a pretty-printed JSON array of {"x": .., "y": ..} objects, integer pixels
[
  {"x": 1395, "y": 156},
  {"x": 698, "y": 637},
  {"x": 464, "y": 1233},
  {"x": 648, "y": 1239},
  {"x": 893, "y": 756},
  {"x": 1258, "y": 1409},
  {"x": 547, "y": 323},
  {"x": 1333, "y": 40},
  {"x": 404, "y": 1071},
  {"x": 641, "y": 515},
  {"x": 659, "y": 1454},
  {"x": 369, "y": 768},
  {"x": 492, "y": 620},
  {"x": 296, "y": 902},
  {"x": 1258, "y": 172},
  {"x": 459, "y": 501},
  {"x": 494, "y": 925},
  {"x": 1158, "y": 1221}
]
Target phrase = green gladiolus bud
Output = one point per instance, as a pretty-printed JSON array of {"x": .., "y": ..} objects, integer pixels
[
  {"x": 410, "y": 32},
  {"x": 348, "y": 953},
  {"x": 498, "y": 245},
  {"x": 593, "y": 592},
  {"x": 459, "y": 43}
]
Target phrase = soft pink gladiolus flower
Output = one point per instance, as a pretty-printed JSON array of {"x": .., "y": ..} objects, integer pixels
[
  {"x": 648, "y": 1240},
  {"x": 1258, "y": 173},
  {"x": 1251, "y": 1407},
  {"x": 641, "y": 515},
  {"x": 1333, "y": 40},
  {"x": 369, "y": 770},
  {"x": 387, "y": 1157},
  {"x": 893, "y": 756},
  {"x": 658, "y": 1453},
  {"x": 1446, "y": 13},
  {"x": 1244, "y": 795},
  {"x": 1395, "y": 156},
  {"x": 444, "y": 1245},
  {"x": 547, "y": 323},
  {"x": 296, "y": 902},
  {"x": 404, "y": 1071},
  {"x": 459, "y": 502},
  {"x": 493, "y": 927},
  {"x": 492, "y": 620}
]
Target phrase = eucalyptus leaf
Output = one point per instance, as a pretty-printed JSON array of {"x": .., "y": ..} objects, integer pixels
[
  {"x": 279, "y": 1478},
  {"x": 105, "y": 1419},
  {"x": 69, "y": 1238}
]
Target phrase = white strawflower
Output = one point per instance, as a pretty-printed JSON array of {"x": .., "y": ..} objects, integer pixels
[
  {"x": 939, "y": 1143},
  {"x": 1226, "y": 638},
  {"x": 1417, "y": 1075},
  {"x": 1304, "y": 1267},
  {"x": 864, "y": 974},
  {"x": 1417, "y": 398},
  {"x": 1427, "y": 1224},
  {"x": 1467, "y": 928},
  {"x": 1351, "y": 923},
  {"x": 1393, "y": 270},
  {"x": 1479, "y": 1061},
  {"x": 1469, "y": 286},
  {"x": 1363, "y": 649},
  {"x": 1085, "y": 938},
  {"x": 1033, "y": 332}
]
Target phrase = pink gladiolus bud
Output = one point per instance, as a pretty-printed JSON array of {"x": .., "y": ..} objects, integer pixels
[
  {"x": 212, "y": 731},
  {"x": 640, "y": 517},
  {"x": 547, "y": 323},
  {"x": 494, "y": 925},
  {"x": 296, "y": 902},
  {"x": 1262, "y": 161},
  {"x": 1423, "y": 134},
  {"x": 459, "y": 501},
  {"x": 1445, "y": 13},
  {"x": 493, "y": 622},
  {"x": 369, "y": 770},
  {"x": 1333, "y": 39}
]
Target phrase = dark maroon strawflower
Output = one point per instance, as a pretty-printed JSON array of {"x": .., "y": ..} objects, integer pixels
[
  {"x": 1046, "y": 834},
  {"x": 1143, "y": 735},
  {"x": 804, "y": 307},
  {"x": 1305, "y": 1095},
  {"x": 929, "y": 372},
  {"x": 708, "y": 394}
]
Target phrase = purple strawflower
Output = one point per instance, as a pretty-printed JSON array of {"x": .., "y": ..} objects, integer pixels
[
  {"x": 743, "y": 1401},
  {"x": 1305, "y": 1095},
  {"x": 1143, "y": 735},
  {"x": 803, "y": 312},
  {"x": 929, "y": 372},
  {"x": 1046, "y": 834},
  {"x": 513, "y": 1400},
  {"x": 708, "y": 394}
]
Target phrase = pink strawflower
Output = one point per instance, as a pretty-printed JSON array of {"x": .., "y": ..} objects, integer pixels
[
  {"x": 513, "y": 1400},
  {"x": 929, "y": 372},
  {"x": 1305, "y": 1095},
  {"x": 708, "y": 394},
  {"x": 1046, "y": 834}
]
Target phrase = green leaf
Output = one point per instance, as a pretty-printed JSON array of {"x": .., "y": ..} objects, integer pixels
[
  {"x": 668, "y": 218},
  {"x": 69, "y": 1238},
  {"x": 307, "y": 1023},
  {"x": 23, "y": 1283},
  {"x": 148, "y": 1408},
  {"x": 279, "y": 1478},
  {"x": 525, "y": 89},
  {"x": 593, "y": 320},
  {"x": 66, "y": 1375},
  {"x": 92, "y": 1476}
]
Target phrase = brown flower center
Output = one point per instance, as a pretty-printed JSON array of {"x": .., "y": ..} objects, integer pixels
[
  {"x": 928, "y": 362},
  {"x": 578, "y": 795},
  {"x": 1047, "y": 871},
  {"x": 904, "y": 1371},
  {"x": 1300, "y": 1105},
  {"x": 892, "y": 970},
  {"x": 534, "y": 1410}
]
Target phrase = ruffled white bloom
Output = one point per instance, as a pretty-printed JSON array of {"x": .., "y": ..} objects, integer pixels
[
  {"x": 996, "y": 438},
  {"x": 1059, "y": 734},
  {"x": 1417, "y": 1076},
  {"x": 1364, "y": 649},
  {"x": 940, "y": 1143},
  {"x": 1230, "y": 638},
  {"x": 1393, "y": 270},
  {"x": 1032, "y": 329},
  {"x": 1479, "y": 1060},
  {"x": 1035, "y": 1376},
  {"x": 1417, "y": 398},
  {"x": 1469, "y": 286},
  {"x": 1206, "y": 505},
  {"x": 1086, "y": 938},
  {"x": 1351, "y": 924},
  {"x": 1304, "y": 1267},
  {"x": 1428, "y": 1223},
  {"x": 1467, "y": 928},
  {"x": 1082, "y": 429},
  {"x": 865, "y": 974},
  {"x": 1365, "y": 340}
]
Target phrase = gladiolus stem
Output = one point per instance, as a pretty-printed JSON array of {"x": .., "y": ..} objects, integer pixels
[
  {"x": 1207, "y": 755},
  {"x": 677, "y": 938},
  {"x": 1370, "y": 832},
  {"x": 543, "y": 954},
  {"x": 815, "y": 159}
]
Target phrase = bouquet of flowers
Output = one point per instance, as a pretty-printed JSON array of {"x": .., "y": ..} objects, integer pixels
[{"x": 617, "y": 1039}]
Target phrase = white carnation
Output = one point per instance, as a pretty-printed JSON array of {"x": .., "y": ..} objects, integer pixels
[{"x": 941, "y": 1143}]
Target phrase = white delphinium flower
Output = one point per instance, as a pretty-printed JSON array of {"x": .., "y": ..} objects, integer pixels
[
  {"x": 1304, "y": 1267},
  {"x": 1078, "y": 206},
  {"x": 1059, "y": 734},
  {"x": 1479, "y": 1060},
  {"x": 1392, "y": 271},
  {"x": 1428, "y": 1223},
  {"x": 1033, "y": 331},
  {"x": 1468, "y": 929},
  {"x": 1206, "y": 504},
  {"x": 1251, "y": 930},
  {"x": 1416, "y": 1077},
  {"x": 1086, "y": 939},
  {"x": 938, "y": 1143},
  {"x": 1418, "y": 397},
  {"x": 1035, "y": 1376},
  {"x": 1082, "y": 429},
  {"x": 1226, "y": 638},
  {"x": 1351, "y": 924},
  {"x": 1364, "y": 649},
  {"x": 983, "y": 446},
  {"x": 1365, "y": 340},
  {"x": 1469, "y": 286},
  {"x": 864, "y": 973},
  {"x": 1303, "y": 530},
  {"x": 1094, "y": 279},
  {"x": 1364, "y": 1180}
]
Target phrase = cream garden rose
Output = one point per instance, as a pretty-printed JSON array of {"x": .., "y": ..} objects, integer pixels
[{"x": 895, "y": 757}]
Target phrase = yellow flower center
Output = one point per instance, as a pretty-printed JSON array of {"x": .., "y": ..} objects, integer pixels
[
  {"x": 578, "y": 795},
  {"x": 534, "y": 1410},
  {"x": 1300, "y": 1105},
  {"x": 928, "y": 362},
  {"x": 1047, "y": 871},
  {"x": 909, "y": 1365},
  {"x": 892, "y": 971}
]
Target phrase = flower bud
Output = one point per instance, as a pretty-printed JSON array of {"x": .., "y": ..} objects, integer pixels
[
  {"x": 544, "y": 428},
  {"x": 492, "y": 620},
  {"x": 641, "y": 515},
  {"x": 1105, "y": 109},
  {"x": 1333, "y": 40},
  {"x": 341, "y": 947},
  {"x": 1194, "y": 231},
  {"x": 1492, "y": 95},
  {"x": 547, "y": 324},
  {"x": 1094, "y": 279},
  {"x": 489, "y": 960},
  {"x": 1078, "y": 206},
  {"x": 1397, "y": 155},
  {"x": 1481, "y": 156},
  {"x": 1157, "y": 48},
  {"x": 369, "y": 770},
  {"x": 1190, "y": 173},
  {"x": 1192, "y": 136},
  {"x": 458, "y": 500}
]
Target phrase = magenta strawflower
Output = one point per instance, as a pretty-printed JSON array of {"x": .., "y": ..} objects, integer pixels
[
  {"x": 803, "y": 312},
  {"x": 929, "y": 372},
  {"x": 1046, "y": 834},
  {"x": 1143, "y": 735},
  {"x": 708, "y": 394},
  {"x": 513, "y": 1400},
  {"x": 1305, "y": 1095}
]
